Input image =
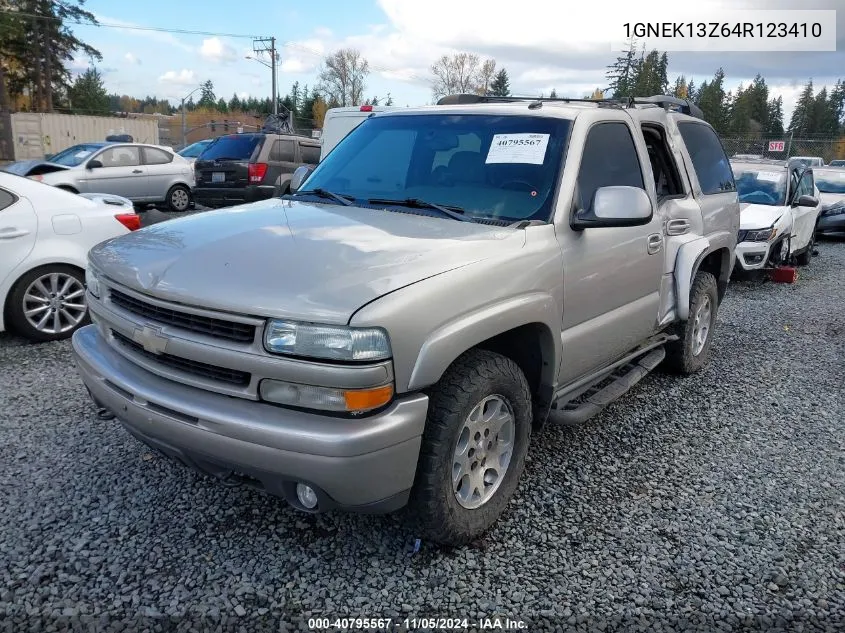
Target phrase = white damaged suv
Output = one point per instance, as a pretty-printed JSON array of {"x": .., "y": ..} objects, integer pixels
[{"x": 779, "y": 211}]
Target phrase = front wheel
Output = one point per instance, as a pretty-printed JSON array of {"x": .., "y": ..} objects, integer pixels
[
  {"x": 178, "y": 198},
  {"x": 48, "y": 303},
  {"x": 806, "y": 257},
  {"x": 692, "y": 350},
  {"x": 473, "y": 448}
]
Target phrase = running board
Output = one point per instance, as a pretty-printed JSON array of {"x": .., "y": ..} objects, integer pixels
[{"x": 611, "y": 387}]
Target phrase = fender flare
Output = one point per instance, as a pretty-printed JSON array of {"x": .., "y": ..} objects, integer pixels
[
  {"x": 687, "y": 261},
  {"x": 452, "y": 339}
]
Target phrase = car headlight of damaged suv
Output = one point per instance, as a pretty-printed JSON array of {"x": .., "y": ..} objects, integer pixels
[
  {"x": 92, "y": 282},
  {"x": 757, "y": 235},
  {"x": 332, "y": 343}
]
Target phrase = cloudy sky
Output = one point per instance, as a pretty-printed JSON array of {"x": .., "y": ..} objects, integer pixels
[{"x": 543, "y": 44}]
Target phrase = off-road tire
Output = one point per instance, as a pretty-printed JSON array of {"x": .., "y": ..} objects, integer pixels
[
  {"x": 680, "y": 358},
  {"x": 433, "y": 509}
]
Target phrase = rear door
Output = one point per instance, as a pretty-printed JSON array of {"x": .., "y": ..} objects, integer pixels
[
  {"x": 18, "y": 228},
  {"x": 121, "y": 174},
  {"x": 160, "y": 172},
  {"x": 225, "y": 163}
]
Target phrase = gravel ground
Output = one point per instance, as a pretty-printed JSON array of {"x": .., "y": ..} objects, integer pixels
[{"x": 713, "y": 502}]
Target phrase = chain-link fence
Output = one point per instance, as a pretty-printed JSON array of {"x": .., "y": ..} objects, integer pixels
[{"x": 783, "y": 147}]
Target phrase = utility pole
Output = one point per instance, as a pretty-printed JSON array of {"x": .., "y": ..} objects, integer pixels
[{"x": 262, "y": 45}]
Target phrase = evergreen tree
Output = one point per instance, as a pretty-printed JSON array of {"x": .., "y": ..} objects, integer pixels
[
  {"x": 207, "y": 98},
  {"x": 307, "y": 107},
  {"x": 824, "y": 119},
  {"x": 837, "y": 103},
  {"x": 711, "y": 100},
  {"x": 553, "y": 94},
  {"x": 620, "y": 74},
  {"x": 692, "y": 91},
  {"x": 222, "y": 106},
  {"x": 235, "y": 104},
  {"x": 389, "y": 101},
  {"x": 681, "y": 89},
  {"x": 295, "y": 99},
  {"x": 801, "y": 122},
  {"x": 500, "y": 87},
  {"x": 774, "y": 118},
  {"x": 88, "y": 95}
]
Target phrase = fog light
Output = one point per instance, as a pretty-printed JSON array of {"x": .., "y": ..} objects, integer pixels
[
  {"x": 756, "y": 258},
  {"x": 306, "y": 495}
]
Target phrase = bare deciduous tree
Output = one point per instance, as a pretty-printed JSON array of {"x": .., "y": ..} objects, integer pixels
[
  {"x": 343, "y": 77},
  {"x": 461, "y": 73}
]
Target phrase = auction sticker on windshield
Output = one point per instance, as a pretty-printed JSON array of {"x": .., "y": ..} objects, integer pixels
[
  {"x": 769, "y": 176},
  {"x": 518, "y": 148}
]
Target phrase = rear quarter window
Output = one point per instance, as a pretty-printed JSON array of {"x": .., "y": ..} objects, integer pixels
[
  {"x": 310, "y": 154},
  {"x": 709, "y": 160},
  {"x": 7, "y": 199}
]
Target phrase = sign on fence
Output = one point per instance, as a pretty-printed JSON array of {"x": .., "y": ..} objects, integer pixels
[{"x": 777, "y": 146}]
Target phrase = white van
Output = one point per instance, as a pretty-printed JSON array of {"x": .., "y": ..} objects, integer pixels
[{"x": 341, "y": 121}]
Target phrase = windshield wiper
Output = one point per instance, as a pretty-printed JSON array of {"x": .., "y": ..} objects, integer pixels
[
  {"x": 325, "y": 193},
  {"x": 456, "y": 213}
]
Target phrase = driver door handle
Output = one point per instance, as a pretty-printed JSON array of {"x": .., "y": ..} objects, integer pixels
[
  {"x": 655, "y": 243},
  {"x": 137, "y": 171},
  {"x": 8, "y": 233},
  {"x": 677, "y": 227}
]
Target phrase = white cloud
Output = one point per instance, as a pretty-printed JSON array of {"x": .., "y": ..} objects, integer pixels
[
  {"x": 131, "y": 59},
  {"x": 182, "y": 77},
  {"x": 215, "y": 50}
]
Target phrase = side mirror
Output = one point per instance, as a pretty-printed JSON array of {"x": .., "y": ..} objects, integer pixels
[
  {"x": 94, "y": 164},
  {"x": 806, "y": 201},
  {"x": 300, "y": 176},
  {"x": 615, "y": 207}
]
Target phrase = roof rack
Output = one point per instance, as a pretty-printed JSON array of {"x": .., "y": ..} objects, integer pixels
[{"x": 667, "y": 102}]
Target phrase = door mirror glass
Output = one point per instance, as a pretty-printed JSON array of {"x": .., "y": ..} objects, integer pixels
[
  {"x": 94, "y": 164},
  {"x": 299, "y": 177},
  {"x": 806, "y": 201},
  {"x": 615, "y": 206}
]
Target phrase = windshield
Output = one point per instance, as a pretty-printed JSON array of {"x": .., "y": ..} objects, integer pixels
[
  {"x": 761, "y": 186},
  {"x": 236, "y": 147},
  {"x": 830, "y": 183},
  {"x": 194, "y": 150},
  {"x": 73, "y": 156},
  {"x": 498, "y": 167}
]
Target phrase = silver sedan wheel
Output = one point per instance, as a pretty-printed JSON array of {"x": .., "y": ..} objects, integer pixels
[
  {"x": 179, "y": 199},
  {"x": 701, "y": 325},
  {"x": 483, "y": 451},
  {"x": 55, "y": 303}
]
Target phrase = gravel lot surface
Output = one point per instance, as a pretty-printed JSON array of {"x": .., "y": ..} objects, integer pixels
[{"x": 714, "y": 502}]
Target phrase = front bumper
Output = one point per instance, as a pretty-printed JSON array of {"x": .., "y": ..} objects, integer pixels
[
  {"x": 365, "y": 464},
  {"x": 215, "y": 197},
  {"x": 752, "y": 255}
]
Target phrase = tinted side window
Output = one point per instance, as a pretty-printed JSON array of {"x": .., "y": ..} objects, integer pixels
[
  {"x": 6, "y": 199},
  {"x": 610, "y": 159},
  {"x": 310, "y": 154},
  {"x": 154, "y": 156},
  {"x": 708, "y": 158},
  {"x": 283, "y": 151},
  {"x": 120, "y": 157}
]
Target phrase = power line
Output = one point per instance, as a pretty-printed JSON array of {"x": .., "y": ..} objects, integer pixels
[{"x": 159, "y": 29}]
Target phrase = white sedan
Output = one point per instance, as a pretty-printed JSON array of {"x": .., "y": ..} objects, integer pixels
[{"x": 45, "y": 236}]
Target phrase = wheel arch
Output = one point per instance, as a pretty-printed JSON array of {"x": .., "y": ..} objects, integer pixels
[
  {"x": 696, "y": 255},
  {"x": 20, "y": 273}
]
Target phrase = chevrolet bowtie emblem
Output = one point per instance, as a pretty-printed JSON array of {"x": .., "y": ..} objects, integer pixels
[{"x": 151, "y": 339}]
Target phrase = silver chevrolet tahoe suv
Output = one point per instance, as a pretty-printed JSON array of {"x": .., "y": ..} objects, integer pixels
[{"x": 450, "y": 279}]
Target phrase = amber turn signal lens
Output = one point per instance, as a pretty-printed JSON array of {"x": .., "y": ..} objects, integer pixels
[{"x": 366, "y": 399}]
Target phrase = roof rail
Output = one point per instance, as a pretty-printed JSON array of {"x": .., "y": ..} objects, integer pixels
[{"x": 666, "y": 102}]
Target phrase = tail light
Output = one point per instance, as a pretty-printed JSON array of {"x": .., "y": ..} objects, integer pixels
[
  {"x": 131, "y": 221},
  {"x": 257, "y": 171},
  {"x": 366, "y": 108}
]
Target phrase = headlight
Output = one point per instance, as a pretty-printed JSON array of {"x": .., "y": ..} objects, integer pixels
[
  {"x": 92, "y": 283},
  {"x": 325, "y": 398},
  {"x": 761, "y": 235},
  {"x": 330, "y": 342}
]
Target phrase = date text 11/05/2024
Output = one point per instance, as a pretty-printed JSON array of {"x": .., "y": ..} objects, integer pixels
[
  {"x": 763, "y": 30},
  {"x": 417, "y": 623}
]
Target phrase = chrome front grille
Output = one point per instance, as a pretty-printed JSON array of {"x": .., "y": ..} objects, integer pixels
[
  {"x": 210, "y": 326},
  {"x": 193, "y": 367}
]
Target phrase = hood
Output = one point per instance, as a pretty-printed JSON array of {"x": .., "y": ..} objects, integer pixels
[
  {"x": 758, "y": 216},
  {"x": 279, "y": 258},
  {"x": 829, "y": 199},
  {"x": 23, "y": 167}
]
